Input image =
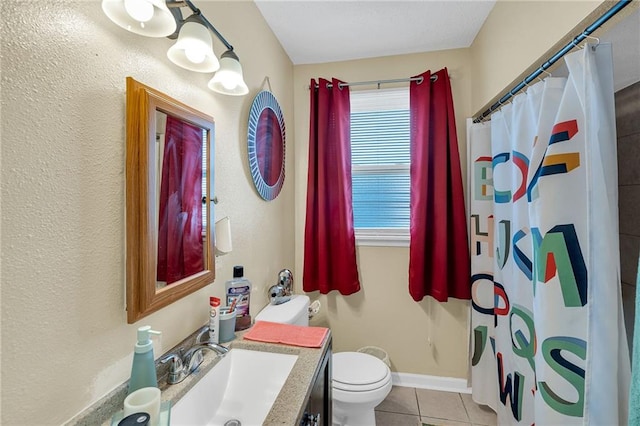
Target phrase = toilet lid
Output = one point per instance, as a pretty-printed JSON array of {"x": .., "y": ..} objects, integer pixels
[{"x": 352, "y": 370}]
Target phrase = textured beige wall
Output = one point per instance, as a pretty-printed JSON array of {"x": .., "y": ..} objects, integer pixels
[
  {"x": 65, "y": 339},
  {"x": 384, "y": 314},
  {"x": 514, "y": 36}
]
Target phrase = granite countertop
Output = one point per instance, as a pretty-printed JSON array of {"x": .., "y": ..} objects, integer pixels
[
  {"x": 289, "y": 406},
  {"x": 287, "y": 409}
]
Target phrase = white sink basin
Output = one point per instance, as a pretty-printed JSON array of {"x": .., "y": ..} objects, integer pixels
[{"x": 241, "y": 386}]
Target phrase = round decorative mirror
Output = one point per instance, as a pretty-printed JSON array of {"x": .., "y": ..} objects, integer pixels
[{"x": 266, "y": 145}]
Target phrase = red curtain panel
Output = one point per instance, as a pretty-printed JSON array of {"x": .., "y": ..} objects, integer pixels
[
  {"x": 438, "y": 250},
  {"x": 330, "y": 244},
  {"x": 180, "y": 244}
]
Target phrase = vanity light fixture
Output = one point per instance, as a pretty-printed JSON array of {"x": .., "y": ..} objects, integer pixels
[
  {"x": 150, "y": 18},
  {"x": 229, "y": 79},
  {"x": 193, "y": 48}
]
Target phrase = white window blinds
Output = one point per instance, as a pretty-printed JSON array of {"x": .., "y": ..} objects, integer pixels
[{"x": 380, "y": 158}]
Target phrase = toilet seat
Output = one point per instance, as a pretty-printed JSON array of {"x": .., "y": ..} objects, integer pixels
[{"x": 358, "y": 372}]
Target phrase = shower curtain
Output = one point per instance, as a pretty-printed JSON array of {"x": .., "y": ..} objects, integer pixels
[{"x": 548, "y": 344}]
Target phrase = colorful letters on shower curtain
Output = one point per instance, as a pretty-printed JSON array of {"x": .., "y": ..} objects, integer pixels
[{"x": 548, "y": 341}]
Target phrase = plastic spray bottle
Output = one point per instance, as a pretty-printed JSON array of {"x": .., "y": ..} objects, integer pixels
[{"x": 143, "y": 370}]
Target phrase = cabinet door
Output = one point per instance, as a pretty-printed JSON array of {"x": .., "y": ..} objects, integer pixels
[{"x": 318, "y": 409}]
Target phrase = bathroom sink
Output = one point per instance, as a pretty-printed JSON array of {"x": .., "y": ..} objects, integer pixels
[{"x": 242, "y": 386}]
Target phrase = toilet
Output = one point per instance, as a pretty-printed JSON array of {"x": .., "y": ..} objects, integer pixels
[{"x": 359, "y": 381}]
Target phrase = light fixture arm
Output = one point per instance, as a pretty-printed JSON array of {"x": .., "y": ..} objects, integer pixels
[
  {"x": 193, "y": 49},
  {"x": 174, "y": 7}
]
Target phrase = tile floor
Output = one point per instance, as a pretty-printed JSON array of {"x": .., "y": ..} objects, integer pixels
[{"x": 413, "y": 407}]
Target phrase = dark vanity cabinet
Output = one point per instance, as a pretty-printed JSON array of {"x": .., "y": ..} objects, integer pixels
[{"x": 318, "y": 409}]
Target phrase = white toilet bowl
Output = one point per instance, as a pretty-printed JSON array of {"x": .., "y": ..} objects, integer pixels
[{"x": 359, "y": 381}]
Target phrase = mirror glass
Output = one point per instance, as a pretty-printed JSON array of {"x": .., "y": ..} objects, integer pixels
[
  {"x": 180, "y": 191},
  {"x": 266, "y": 145},
  {"x": 169, "y": 185}
]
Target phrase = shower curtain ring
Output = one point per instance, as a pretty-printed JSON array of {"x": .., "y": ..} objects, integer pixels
[
  {"x": 542, "y": 70},
  {"x": 596, "y": 39}
]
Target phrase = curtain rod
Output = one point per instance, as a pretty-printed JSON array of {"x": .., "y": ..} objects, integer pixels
[
  {"x": 573, "y": 43},
  {"x": 379, "y": 82}
]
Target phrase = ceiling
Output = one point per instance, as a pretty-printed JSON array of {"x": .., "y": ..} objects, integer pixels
[
  {"x": 314, "y": 32},
  {"x": 320, "y": 31}
]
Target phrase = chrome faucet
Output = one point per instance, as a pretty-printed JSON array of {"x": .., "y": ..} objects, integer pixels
[
  {"x": 281, "y": 292},
  {"x": 182, "y": 366}
]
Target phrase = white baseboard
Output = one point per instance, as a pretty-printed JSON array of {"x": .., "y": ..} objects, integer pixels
[{"x": 422, "y": 381}]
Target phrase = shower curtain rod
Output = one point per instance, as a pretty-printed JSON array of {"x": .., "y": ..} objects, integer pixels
[
  {"x": 379, "y": 82},
  {"x": 573, "y": 43}
]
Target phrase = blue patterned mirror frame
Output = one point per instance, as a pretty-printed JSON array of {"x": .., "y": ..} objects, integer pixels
[{"x": 265, "y": 132}]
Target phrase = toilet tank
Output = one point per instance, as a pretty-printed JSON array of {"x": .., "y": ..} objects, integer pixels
[{"x": 295, "y": 311}]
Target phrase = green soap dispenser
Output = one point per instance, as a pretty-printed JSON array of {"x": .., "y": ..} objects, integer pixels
[{"x": 143, "y": 370}]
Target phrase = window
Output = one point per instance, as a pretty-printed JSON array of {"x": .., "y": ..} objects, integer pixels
[{"x": 380, "y": 160}]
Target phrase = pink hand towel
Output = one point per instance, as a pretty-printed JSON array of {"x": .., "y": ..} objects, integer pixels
[{"x": 288, "y": 334}]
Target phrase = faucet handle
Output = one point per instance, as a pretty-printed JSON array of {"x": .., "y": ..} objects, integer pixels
[{"x": 176, "y": 370}]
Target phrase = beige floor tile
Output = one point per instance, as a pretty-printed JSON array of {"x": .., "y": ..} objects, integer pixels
[
  {"x": 396, "y": 419},
  {"x": 441, "y": 405},
  {"x": 440, "y": 422},
  {"x": 479, "y": 414},
  {"x": 400, "y": 400}
]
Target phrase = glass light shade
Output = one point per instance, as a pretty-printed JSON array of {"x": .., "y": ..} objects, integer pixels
[
  {"x": 229, "y": 80},
  {"x": 193, "y": 50},
  {"x": 150, "y": 18}
]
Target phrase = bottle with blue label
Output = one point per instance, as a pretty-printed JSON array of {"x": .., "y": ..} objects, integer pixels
[{"x": 238, "y": 292}]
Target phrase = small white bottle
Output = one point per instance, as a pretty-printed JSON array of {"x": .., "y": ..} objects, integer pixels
[{"x": 214, "y": 320}]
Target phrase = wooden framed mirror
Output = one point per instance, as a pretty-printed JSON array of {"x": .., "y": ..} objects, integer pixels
[{"x": 169, "y": 168}]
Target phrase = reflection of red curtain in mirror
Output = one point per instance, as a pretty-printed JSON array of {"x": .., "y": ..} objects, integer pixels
[
  {"x": 180, "y": 246},
  {"x": 269, "y": 149}
]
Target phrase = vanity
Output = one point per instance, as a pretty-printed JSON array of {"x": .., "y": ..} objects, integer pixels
[
  {"x": 305, "y": 397},
  {"x": 318, "y": 405}
]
